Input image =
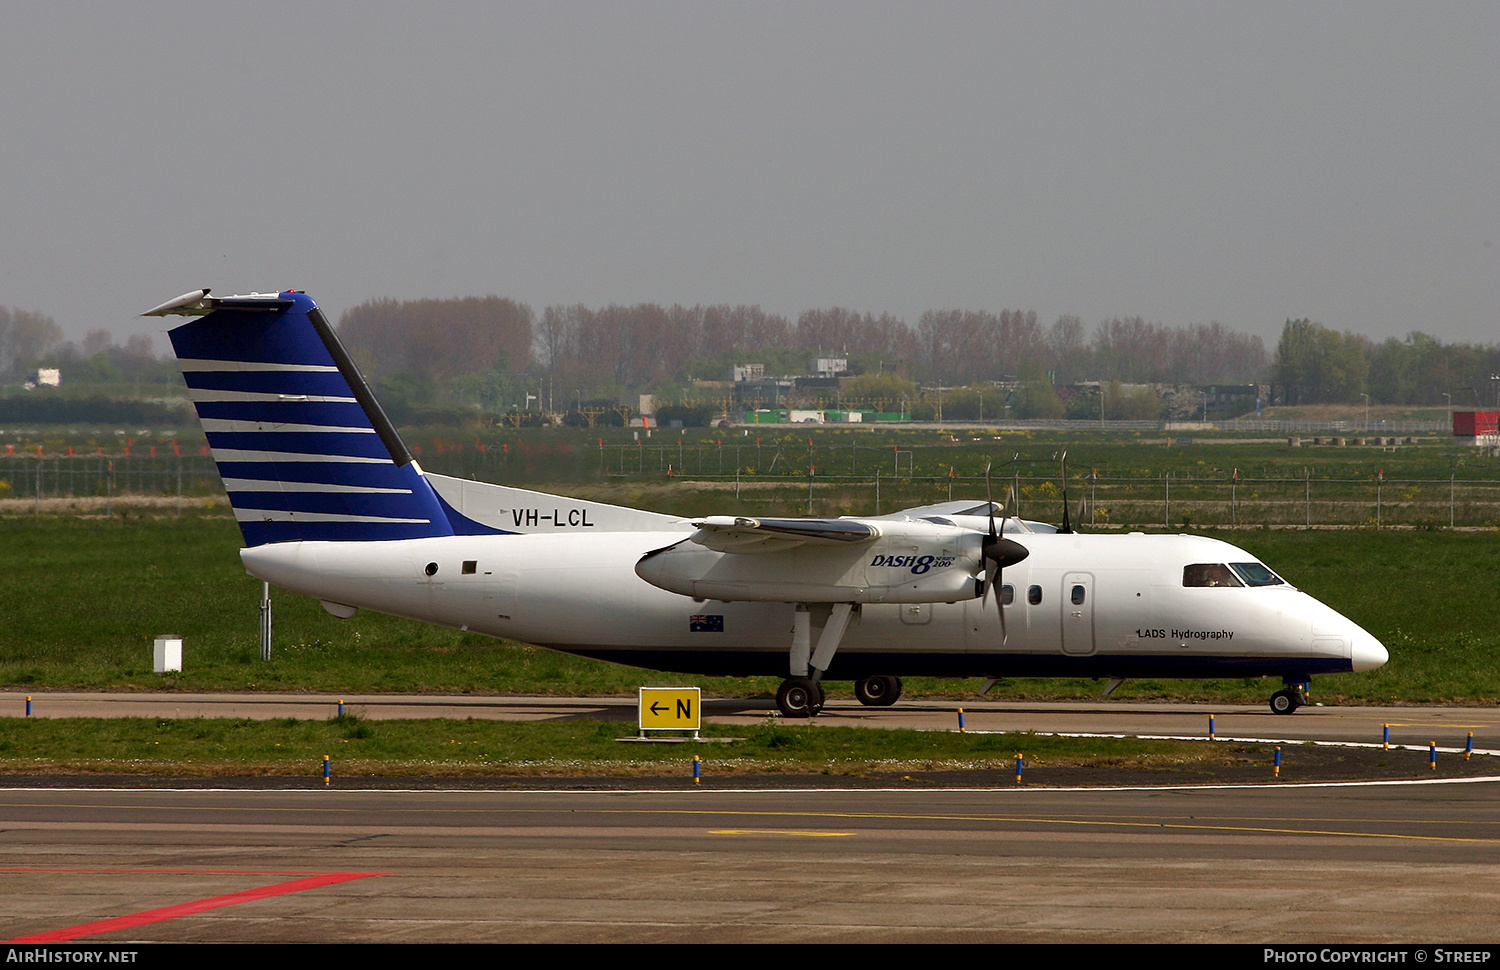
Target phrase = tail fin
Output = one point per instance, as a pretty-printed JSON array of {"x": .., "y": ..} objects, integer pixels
[{"x": 304, "y": 449}]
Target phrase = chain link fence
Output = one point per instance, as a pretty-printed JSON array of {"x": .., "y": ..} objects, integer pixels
[{"x": 887, "y": 481}]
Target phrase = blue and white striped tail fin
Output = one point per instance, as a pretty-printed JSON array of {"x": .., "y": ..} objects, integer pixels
[{"x": 304, "y": 449}]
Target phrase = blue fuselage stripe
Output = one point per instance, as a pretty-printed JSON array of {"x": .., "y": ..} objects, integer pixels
[
  {"x": 340, "y": 503},
  {"x": 384, "y": 475},
  {"x": 304, "y": 442},
  {"x": 849, "y": 664},
  {"x": 270, "y": 382},
  {"x": 286, "y": 412}
]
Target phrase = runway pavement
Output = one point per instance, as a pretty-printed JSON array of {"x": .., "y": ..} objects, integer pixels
[
  {"x": 1447, "y": 726},
  {"x": 1276, "y": 865}
]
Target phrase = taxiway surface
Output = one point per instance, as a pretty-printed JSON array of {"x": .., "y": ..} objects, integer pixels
[
  {"x": 1446, "y": 726},
  {"x": 1273, "y": 864},
  {"x": 1390, "y": 863}
]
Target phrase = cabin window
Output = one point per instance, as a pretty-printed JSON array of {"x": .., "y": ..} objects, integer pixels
[
  {"x": 471, "y": 566},
  {"x": 1209, "y": 574},
  {"x": 1078, "y": 595},
  {"x": 1007, "y": 594},
  {"x": 1255, "y": 574},
  {"x": 431, "y": 569},
  {"x": 1034, "y": 595}
]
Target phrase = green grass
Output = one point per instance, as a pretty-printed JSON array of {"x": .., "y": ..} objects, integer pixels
[
  {"x": 473, "y": 747},
  {"x": 535, "y": 456},
  {"x": 85, "y": 597}
]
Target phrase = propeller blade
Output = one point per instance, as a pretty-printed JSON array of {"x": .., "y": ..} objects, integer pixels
[
  {"x": 986, "y": 571},
  {"x": 997, "y": 552},
  {"x": 1000, "y": 607},
  {"x": 989, "y": 496},
  {"x": 1067, "y": 526}
]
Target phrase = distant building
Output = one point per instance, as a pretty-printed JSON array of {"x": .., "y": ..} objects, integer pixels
[{"x": 1477, "y": 428}]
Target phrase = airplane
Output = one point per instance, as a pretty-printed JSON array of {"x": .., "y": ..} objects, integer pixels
[{"x": 331, "y": 503}]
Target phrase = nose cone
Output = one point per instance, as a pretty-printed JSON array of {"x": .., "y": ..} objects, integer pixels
[{"x": 1366, "y": 652}]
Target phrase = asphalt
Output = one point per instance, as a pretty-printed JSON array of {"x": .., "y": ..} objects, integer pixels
[
  {"x": 1445, "y": 726},
  {"x": 1413, "y": 855}
]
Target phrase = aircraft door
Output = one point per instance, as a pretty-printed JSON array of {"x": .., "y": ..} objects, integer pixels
[
  {"x": 1077, "y": 604},
  {"x": 500, "y": 598}
]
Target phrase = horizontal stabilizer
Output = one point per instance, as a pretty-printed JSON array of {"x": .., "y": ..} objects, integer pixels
[{"x": 198, "y": 303}]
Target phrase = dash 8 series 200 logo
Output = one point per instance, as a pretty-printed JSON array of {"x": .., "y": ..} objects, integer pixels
[{"x": 917, "y": 564}]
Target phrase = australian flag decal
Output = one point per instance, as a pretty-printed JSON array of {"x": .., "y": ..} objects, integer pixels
[{"x": 706, "y": 623}]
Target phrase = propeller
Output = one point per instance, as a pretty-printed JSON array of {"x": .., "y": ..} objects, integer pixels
[
  {"x": 997, "y": 552},
  {"x": 1066, "y": 525}
]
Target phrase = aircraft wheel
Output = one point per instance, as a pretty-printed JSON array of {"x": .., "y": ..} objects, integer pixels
[
  {"x": 799, "y": 697},
  {"x": 1285, "y": 702},
  {"x": 878, "y": 691}
]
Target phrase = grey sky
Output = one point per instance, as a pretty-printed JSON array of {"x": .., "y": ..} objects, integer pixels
[{"x": 1185, "y": 162}]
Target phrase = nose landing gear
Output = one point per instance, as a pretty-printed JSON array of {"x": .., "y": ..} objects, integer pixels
[{"x": 1288, "y": 700}]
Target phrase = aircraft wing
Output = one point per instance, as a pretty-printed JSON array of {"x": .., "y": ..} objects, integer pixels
[
  {"x": 737, "y": 533},
  {"x": 943, "y": 509}
]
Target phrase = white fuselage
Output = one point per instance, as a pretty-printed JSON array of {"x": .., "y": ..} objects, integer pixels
[
  {"x": 1084, "y": 605},
  {"x": 333, "y": 504}
]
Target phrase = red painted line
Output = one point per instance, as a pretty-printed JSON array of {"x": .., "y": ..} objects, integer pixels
[
  {"x": 187, "y": 909},
  {"x": 195, "y": 871}
]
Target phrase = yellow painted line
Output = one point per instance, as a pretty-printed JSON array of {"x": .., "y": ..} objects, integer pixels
[
  {"x": 1094, "y": 823},
  {"x": 1155, "y": 819},
  {"x": 1144, "y": 823},
  {"x": 803, "y": 832}
]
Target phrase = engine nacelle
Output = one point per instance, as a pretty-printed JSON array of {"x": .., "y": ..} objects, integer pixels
[{"x": 913, "y": 562}]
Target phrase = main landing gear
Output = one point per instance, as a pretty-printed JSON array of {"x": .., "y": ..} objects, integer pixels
[
  {"x": 801, "y": 694},
  {"x": 1288, "y": 700},
  {"x": 878, "y": 691},
  {"x": 800, "y": 697}
]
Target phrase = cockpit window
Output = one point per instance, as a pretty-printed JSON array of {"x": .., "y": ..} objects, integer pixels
[
  {"x": 1210, "y": 574},
  {"x": 1255, "y": 574}
]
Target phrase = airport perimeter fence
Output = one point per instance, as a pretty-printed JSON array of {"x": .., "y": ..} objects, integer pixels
[
  {"x": 1373, "y": 428},
  {"x": 1160, "y": 502},
  {"x": 39, "y": 477},
  {"x": 1169, "y": 500}
]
